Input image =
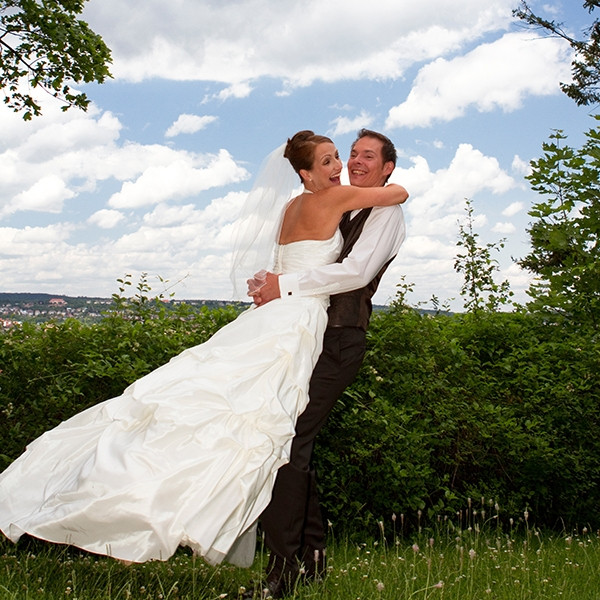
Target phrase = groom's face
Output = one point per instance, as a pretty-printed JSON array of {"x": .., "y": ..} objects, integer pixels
[{"x": 365, "y": 165}]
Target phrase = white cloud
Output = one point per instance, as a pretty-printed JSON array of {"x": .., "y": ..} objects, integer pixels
[
  {"x": 518, "y": 277},
  {"x": 164, "y": 215},
  {"x": 237, "y": 90},
  {"x": 426, "y": 247},
  {"x": 344, "y": 107},
  {"x": 183, "y": 176},
  {"x": 520, "y": 166},
  {"x": 46, "y": 195},
  {"x": 64, "y": 155},
  {"x": 106, "y": 218},
  {"x": 224, "y": 210},
  {"x": 434, "y": 210},
  {"x": 494, "y": 75},
  {"x": 442, "y": 193},
  {"x": 79, "y": 132},
  {"x": 55, "y": 157},
  {"x": 504, "y": 228},
  {"x": 512, "y": 209},
  {"x": 552, "y": 9},
  {"x": 180, "y": 234},
  {"x": 32, "y": 241},
  {"x": 243, "y": 41},
  {"x": 189, "y": 124},
  {"x": 344, "y": 125}
]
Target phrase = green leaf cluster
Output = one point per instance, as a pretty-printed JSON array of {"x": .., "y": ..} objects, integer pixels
[
  {"x": 565, "y": 251},
  {"x": 584, "y": 88},
  {"x": 480, "y": 291},
  {"x": 44, "y": 45}
]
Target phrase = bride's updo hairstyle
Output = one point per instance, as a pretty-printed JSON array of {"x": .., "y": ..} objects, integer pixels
[{"x": 300, "y": 149}]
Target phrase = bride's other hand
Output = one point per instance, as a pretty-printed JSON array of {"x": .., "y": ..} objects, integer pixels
[{"x": 256, "y": 282}]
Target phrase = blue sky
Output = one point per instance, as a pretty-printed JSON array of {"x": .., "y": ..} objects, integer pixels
[{"x": 150, "y": 179}]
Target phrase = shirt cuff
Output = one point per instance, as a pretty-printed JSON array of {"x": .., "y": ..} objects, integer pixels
[{"x": 288, "y": 285}]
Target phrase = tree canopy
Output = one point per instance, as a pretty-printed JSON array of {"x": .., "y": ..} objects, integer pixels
[
  {"x": 565, "y": 235},
  {"x": 44, "y": 45},
  {"x": 585, "y": 67}
]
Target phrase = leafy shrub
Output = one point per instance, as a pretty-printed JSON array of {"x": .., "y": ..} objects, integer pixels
[
  {"x": 446, "y": 408},
  {"x": 51, "y": 371}
]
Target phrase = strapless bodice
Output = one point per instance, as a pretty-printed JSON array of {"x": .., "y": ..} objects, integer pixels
[{"x": 307, "y": 254}]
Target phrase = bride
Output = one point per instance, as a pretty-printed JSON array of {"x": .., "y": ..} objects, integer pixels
[{"x": 188, "y": 454}]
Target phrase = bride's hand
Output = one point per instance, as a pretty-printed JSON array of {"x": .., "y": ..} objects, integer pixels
[{"x": 256, "y": 282}]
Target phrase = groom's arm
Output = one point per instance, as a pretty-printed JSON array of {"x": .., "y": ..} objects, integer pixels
[{"x": 380, "y": 240}]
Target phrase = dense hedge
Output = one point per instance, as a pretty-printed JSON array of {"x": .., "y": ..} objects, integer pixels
[
  {"x": 495, "y": 405},
  {"x": 51, "y": 371},
  {"x": 499, "y": 406}
]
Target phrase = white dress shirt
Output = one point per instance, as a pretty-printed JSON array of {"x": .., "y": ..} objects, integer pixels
[{"x": 381, "y": 238}]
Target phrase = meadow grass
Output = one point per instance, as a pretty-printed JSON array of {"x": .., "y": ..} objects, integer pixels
[{"x": 469, "y": 557}]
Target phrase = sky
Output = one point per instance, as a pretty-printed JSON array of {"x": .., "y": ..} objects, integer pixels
[{"x": 150, "y": 179}]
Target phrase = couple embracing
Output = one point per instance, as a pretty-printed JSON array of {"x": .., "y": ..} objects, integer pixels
[{"x": 199, "y": 450}]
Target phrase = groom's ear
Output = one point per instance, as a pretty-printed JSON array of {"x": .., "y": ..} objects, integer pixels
[{"x": 388, "y": 167}]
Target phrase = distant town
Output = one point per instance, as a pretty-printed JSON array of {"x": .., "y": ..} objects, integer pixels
[{"x": 17, "y": 308}]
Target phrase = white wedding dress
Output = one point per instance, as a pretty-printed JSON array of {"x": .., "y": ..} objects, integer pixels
[{"x": 188, "y": 454}]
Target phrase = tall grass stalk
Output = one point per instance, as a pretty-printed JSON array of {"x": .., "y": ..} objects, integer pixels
[{"x": 469, "y": 557}]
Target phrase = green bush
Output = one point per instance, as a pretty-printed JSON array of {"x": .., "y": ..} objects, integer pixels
[
  {"x": 51, "y": 371},
  {"x": 446, "y": 407}
]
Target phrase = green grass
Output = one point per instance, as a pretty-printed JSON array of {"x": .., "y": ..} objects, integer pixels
[{"x": 476, "y": 560}]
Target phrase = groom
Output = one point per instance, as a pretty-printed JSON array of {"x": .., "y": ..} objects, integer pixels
[{"x": 292, "y": 522}]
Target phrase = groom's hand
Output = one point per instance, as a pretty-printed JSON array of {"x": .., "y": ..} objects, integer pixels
[{"x": 264, "y": 288}]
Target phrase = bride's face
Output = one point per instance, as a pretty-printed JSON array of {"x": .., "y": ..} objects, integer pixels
[{"x": 326, "y": 169}]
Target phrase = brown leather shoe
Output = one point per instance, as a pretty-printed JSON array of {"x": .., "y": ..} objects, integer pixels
[{"x": 315, "y": 563}]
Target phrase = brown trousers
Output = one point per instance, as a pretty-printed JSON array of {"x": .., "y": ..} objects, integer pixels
[{"x": 292, "y": 522}]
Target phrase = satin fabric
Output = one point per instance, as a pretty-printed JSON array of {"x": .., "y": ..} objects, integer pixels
[{"x": 188, "y": 454}]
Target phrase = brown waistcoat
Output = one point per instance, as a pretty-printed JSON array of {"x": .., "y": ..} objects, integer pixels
[{"x": 353, "y": 309}]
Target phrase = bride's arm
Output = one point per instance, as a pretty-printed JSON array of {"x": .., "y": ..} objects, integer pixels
[
  {"x": 346, "y": 197},
  {"x": 379, "y": 241}
]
